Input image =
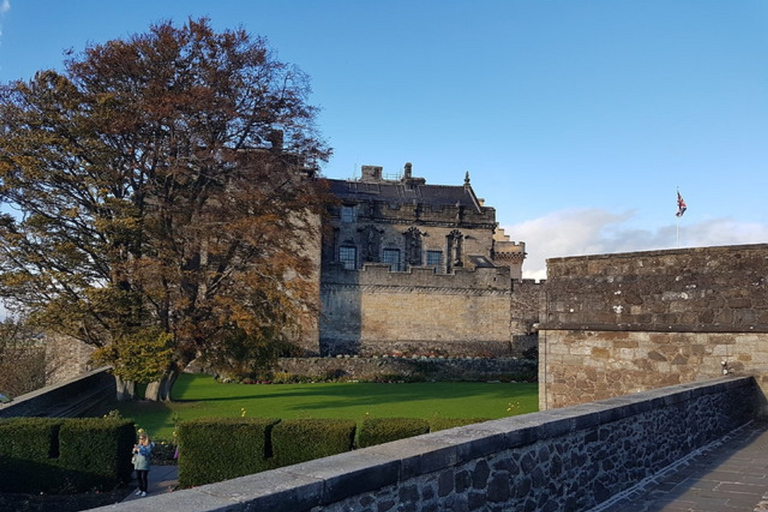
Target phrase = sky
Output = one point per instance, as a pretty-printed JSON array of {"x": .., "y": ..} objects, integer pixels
[{"x": 577, "y": 120}]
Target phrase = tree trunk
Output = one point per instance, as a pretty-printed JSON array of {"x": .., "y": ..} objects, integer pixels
[
  {"x": 152, "y": 392},
  {"x": 166, "y": 385},
  {"x": 125, "y": 389},
  {"x": 160, "y": 390}
]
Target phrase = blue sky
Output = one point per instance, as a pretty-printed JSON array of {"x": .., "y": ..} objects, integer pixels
[{"x": 577, "y": 120}]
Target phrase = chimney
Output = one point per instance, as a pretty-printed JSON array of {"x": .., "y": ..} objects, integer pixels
[
  {"x": 372, "y": 173},
  {"x": 407, "y": 171}
]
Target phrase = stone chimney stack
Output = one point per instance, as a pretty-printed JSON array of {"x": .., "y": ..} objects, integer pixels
[{"x": 372, "y": 173}]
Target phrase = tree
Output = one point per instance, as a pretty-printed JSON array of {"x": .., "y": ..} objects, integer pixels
[{"x": 163, "y": 189}]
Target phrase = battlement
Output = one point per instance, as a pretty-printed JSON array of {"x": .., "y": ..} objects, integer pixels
[{"x": 483, "y": 279}]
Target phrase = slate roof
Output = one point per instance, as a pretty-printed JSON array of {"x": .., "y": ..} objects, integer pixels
[{"x": 396, "y": 192}]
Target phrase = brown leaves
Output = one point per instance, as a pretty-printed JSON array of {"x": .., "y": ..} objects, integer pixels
[{"x": 164, "y": 181}]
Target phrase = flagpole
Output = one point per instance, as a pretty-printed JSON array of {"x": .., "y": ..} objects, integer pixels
[{"x": 677, "y": 222}]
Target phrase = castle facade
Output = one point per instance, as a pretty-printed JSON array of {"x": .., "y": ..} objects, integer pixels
[{"x": 413, "y": 268}]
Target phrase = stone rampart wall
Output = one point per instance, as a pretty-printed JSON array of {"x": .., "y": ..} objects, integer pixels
[
  {"x": 375, "y": 312},
  {"x": 706, "y": 289},
  {"x": 525, "y": 311},
  {"x": 566, "y": 459},
  {"x": 622, "y": 323}
]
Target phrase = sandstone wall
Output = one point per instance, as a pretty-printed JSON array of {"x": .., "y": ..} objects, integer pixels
[
  {"x": 375, "y": 311},
  {"x": 622, "y": 323},
  {"x": 66, "y": 358}
]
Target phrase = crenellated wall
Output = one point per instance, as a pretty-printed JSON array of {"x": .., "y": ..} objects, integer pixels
[
  {"x": 374, "y": 311},
  {"x": 621, "y": 323}
]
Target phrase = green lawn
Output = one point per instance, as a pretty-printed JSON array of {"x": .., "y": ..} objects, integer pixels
[{"x": 198, "y": 396}]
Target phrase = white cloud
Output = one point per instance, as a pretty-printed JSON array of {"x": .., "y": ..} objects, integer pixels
[{"x": 596, "y": 231}]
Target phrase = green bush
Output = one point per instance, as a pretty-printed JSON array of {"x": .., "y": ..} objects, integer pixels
[
  {"x": 64, "y": 455},
  {"x": 216, "y": 449},
  {"x": 375, "y": 431},
  {"x": 164, "y": 452},
  {"x": 96, "y": 451},
  {"x": 436, "y": 424},
  {"x": 299, "y": 440}
]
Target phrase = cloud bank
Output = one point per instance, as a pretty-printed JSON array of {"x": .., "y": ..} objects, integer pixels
[{"x": 578, "y": 232}]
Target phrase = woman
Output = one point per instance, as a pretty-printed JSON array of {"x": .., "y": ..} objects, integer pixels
[{"x": 142, "y": 456}]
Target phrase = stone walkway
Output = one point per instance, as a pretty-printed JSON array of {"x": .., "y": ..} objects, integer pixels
[
  {"x": 162, "y": 479},
  {"x": 730, "y": 475}
]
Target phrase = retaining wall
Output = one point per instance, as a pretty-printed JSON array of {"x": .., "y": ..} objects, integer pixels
[
  {"x": 67, "y": 399},
  {"x": 427, "y": 368},
  {"x": 569, "y": 459}
]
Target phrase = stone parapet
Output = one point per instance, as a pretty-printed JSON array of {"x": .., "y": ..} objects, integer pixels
[
  {"x": 566, "y": 459},
  {"x": 621, "y": 323},
  {"x": 70, "y": 398},
  {"x": 705, "y": 289}
]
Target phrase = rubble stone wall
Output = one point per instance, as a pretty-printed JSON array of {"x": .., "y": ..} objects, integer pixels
[{"x": 622, "y": 323}]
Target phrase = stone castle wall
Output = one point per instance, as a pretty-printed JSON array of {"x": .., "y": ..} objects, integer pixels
[
  {"x": 375, "y": 312},
  {"x": 622, "y": 323}
]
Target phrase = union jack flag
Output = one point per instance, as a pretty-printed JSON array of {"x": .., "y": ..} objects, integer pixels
[{"x": 681, "y": 207}]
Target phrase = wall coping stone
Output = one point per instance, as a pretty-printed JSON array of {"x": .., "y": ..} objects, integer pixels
[
  {"x": 54, "y": 398},
  {"x": 324, "y": 481}
]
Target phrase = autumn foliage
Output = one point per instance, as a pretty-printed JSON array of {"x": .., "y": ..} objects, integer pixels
[{"x": 158, "y": 194}]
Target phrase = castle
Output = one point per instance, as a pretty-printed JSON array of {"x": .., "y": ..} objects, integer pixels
[
  {"x": 413, "y": 268},
  {"x": 405, "y": 267}
]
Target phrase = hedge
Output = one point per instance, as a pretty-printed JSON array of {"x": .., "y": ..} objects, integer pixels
[
  {"x": 300, "y": 440},
  {"x": 375, "y": 431},
  {"x": 436, "y": 424},
  {"x": 216, "y": 449},
  {"x": 53, "y": 455}
]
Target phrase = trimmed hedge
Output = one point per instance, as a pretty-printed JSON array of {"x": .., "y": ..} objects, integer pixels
[
  {"x": 436, "y": 424},
  {"x": 53, "y": 455},
  {"x": 375, "y": 431},
  {"x": 216, "y": 449},
  {"x": 300, "y": 440}
]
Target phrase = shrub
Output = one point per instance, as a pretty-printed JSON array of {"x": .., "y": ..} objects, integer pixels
[
  {"x": 96, "y": 451},
  {"x": 436, "y": 424},
  {"x": 64, "y": 455},
  {"x": 375, "y": 431},
  {"x": 299, "y": 440},
  {"x": 163, "y": 454},
  {"x": 216, "y": 449}
]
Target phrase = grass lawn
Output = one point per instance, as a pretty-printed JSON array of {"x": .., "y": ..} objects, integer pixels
[{"x": 199, "y": 396}]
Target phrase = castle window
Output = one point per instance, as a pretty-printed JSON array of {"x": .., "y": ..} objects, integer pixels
[
  {"x": 391, "y": 256},
  {"x": 348, "y": 214},
  {"x": 348, "y": 257},
  {"x": 435, "y": 259}
]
